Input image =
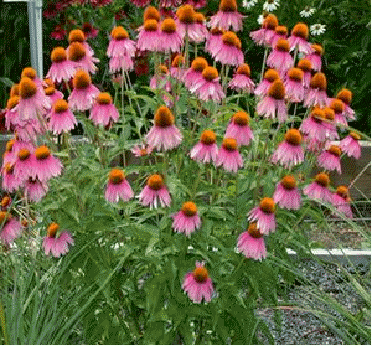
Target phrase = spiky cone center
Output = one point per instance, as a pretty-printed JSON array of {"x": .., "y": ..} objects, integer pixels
[
  {"x": 155, "y": 182},
  {"x": 295, "y": 74},
  {"x": 345, "y": 96},
  {"x": 267, "y": 205},
  {"x": 230, "y": 144},
  {"x": 50, "y": 90},
  {"x": 318, "y": 49},
  {"x": 228, "y": 6},
  {"x": 355, "y": 136},
  {"x": 42, "y": 152},
  {"x": 116, "y": 176},
  {"x": 208, "y": 137},
  {"x": 342, "y": 191},
  {"x": 282, "y": 45},
  {"x": 277, "y": 90},
  {"x": 281, "y": 30},
  {"x": 241, "y": 118},
  {"x": 58, "y": 54},
  {"x": 76, "y": 52},
  {"x": 335, "y": 150},
  {"x": 288, "y": 182},
  {"x": 76, "y": 35},
  {"x": 60, "y": 106},
  {"x": 254, "y": 231},
  {"x": 216, "y": 32},
  {"x": 27, "y": 88},
  {"x": 189, "y": 209},
  {"x": 178, "y": 61},
  {"x": 271, "y": 75},
  {"x": 5, "y": 202},
  {"x": 48, "y": 83},
  {"x": 143, "y": 152},
  {"x": 200, "y": 275},
  {"x": 322, "y": 179},
  {"x": 329, "y": 114},
  {"x": 9, "y": 145},
  {"x": 199, "y": 18},
  {"x": 210, "y": 73},
  {"x": 229, "y": 38},
  {"x": 301, "y": 30},
  {"x": 24, "y": 154},
  {"x": 244, "y": 69},
  {"x": 150, "y": 25},
  {"x": 81, "y": 80},
  {"x": 319, "y": 81},
  {"x": 9, "y": 168},
  {"x": 163, "y": 117},
  {"x": 29, "y": 72},
  {"x": 162, "y": 70},
  {"x": 270, "y": 22},
  {"x": 318, "y": 114},
  {"x": 52, "y": 230},
  {"x": 104, "y": 98},
  {"x": 293, "y": 136},
  {"x": 168, "y": 26},
  {"x": 337, "y": 105},
  {"x": 151, "y": 13},
  {"x": 14, "y": 90},
  {"x": 305, "y": 65},
  {"x": 12, "y": 102},
  {"x": 4, "y": 217},
  {"x": 199, "y": 64},
  {"x": 119, "y": 33},
  {"x": 185, "y": 14}
]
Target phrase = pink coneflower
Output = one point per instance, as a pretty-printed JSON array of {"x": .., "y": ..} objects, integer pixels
[
  {"x": 264, "y": 215},
  {"x": 198, "y": 284},
  {"x": 29, "y": 130},
  {"x": 214, "y": 40},
  {"x": 330, "y": 125},
  {"x": 280, "y": 58},
  {"x": 238, "y": 129},
  {"x": 149, "y": 37},
  {"x": 84, "y": 92},
  {"x": 200, "y": 27},
  {"x": 306, "y": 67},
  {"x": 251, "y": 243},
  {"x": 161, "y": 79},
  {"x": 316, "y": 95},
  {"x": 141, "y": 3},
  {"x": 273, "y": 103},
  {"x": 350, "y": 145},
  {"x": 315, "y": 57},
  {"x": 186, "y": 23},
  {"x": 286, "y": 194},
  {"x": 10, "y": 228},
  {"x": 30, "y": 72},
  {"x": 266, "y": 34},
  {"x": 318, "y": 189},
  {"x": 53, "y": 94},
  {"x": 9, "y": 181},
  {"x": 330, "y": 159},
  {"x": 23, "y": 167},
  {"x": 206, "y": 150},
  {"x": 294, "y": 85},
  {"x": 170, "y": 39},
  {"x": 164, "y": 134},
  {"x": 187, "y": 220},
  {"x": 313, "y": 126},
  {"x": 5, "y": 204},
  {"x": 194, "y": 73},
  {"x": 341, "y": 201},
  {"x": 269, "y": 77},
  {"x": 228, "y": 156},
  {"x": 78, "y": 35},
  {"x": 227, "y": 16},
  {"x": 177, "y": 70},
  {"x": 35, "y": 189},
  {"x": 281, "y": 33},
  {"x": 230, "y": 51},
  {"x": 298, "y": 38},
  {"x": 142, "y": 150},
  {"x": 11, "y": 112},
  {"x": 338, "y": 106},
  {"x": 61, "y": 68},
  {"x": 44, "y": 165},
  {"x": 77, "y": 54},
  {"x": 154, "y": 192},
  {"x": 289, "y": 152},
  {"x": 89, "y": 30},
  {"x": 61, "y": 118},
  {"x": 208, "y": 87},
  {"x": 57, "y": 246},
  {"x": 169, "y": 3},
  {"x": 241, "y": 80},
  {"x": 104, "y": 111},
  {"x": 345, "y": 96},
  {"x": 197, "y": 3},
  {"x": 118, "y": 187}
]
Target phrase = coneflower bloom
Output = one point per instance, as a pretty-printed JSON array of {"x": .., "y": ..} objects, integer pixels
[
  {"x": 57, "y": 246},
  {"x": 286, "y": 194},
  {"x": 290, "y": 152},
  {"x": 10, "y": 154},
  {"x": 194, "y": 73},
  {"x": 11, "y": 113},
  {"x": 230, "y": 51},
  {"x": 341, "y": 201},
  {"x": 273, "y": 103},
  {"x": 331, "y": 130},
  {"x": 118, "y": 187},
  {"x": 213, "y": 40},
  {"x": 241, "y": 80},
  {"x": 338, "y": 106},
  {"x": 206, "y": 150},
  {"x": 84, "y": 92},
  {"x": 53, "y": 94},
  {"x": 279, "y": 58},
  {"x": 345, "y": 96},
  {"x": 44, "y": 165},
  {"x": 208, "y": 87},
  {"x": 294, "y": 85},
  {"x": 228, "y": 156},
  {"x": 35, "y": 189},
  {"x": 264, "y": 215},
  {"x": 61, "y": 68},
  {"x": 251, "y": 243},
  {"x": 30, "y": 72},
  {"x": 178, "y": 70},
  {"x": 227, "y": 16},
  {"x": 88, "y": 29},
  {"x": 170, "y": 39},
  {"x": 281, "y": 33},
  {"x": 266, "y": 34},
  {"x": 197, "y": 3},
  {"x": 299, "y": 37},
  {"x": 305, "y": 66},
  {"x": 319, "y": 188},
  {"x": 316, "y": 95},
  {"x": 269, "y": 77},
  {"x": 9, "y": 181},
  {"x": 142, "y": 150},
  {"x": 164, "y": 134},
  {"x": 154, "y": 192},
  {"x": 185, "y": 22},
  {"x": 14, "y": 90},
  {"x": 350, "y": 145},
  {"x": 77, "y": 54},
  {"x": 78, "y": 35},
  {"x": 187, "y": 220},
  {"x": 23, "y": 167},
  {"x": 330, "y": 159},
  {"x": 238, "y": 129},
  {"x": 104, "y": 111},
  {"x": 315, "y": 57},
  {"x": 140, "y": 3},
  {"x": 61, "y": 118},
  {"x": 198, "y": 285},
  {"x": 6, "y": 202},
  {"x": 313, "y": 126},
  {"x": 161, "y": 79},
  {"x": 10, "y": 228},
  {"x": 149, "y": 36},
  {"x": 200, "y": 28}
]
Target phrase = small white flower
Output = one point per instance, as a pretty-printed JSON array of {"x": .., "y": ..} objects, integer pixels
[
  {"x": 260, "y": 19},
  {"x": 249, "y": 3},
  {"x": 271, "y": 5},
  {"x": 214, "y": 249},
  {"x": 317, "y": 29},
  {"x": 307, "y": 12}
]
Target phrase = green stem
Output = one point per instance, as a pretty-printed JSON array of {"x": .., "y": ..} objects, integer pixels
[
  {"x": 264, "y": 63},
  {"x": 3, "y": 324}
]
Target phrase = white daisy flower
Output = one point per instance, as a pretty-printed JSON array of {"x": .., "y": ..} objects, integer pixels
[
  {"x": 260, "y": 19},
  {"x": 317, "y": 29},
  {"x": 249, "y": 3},
  {"x": 307, "y": 12},
  {"x": 271, "y": 5}
]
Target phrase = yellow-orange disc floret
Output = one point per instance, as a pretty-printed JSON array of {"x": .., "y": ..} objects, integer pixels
[
  {"x": 150, "y": 25},
  {"x": 288, "y": 182},
  {"x": 254, "y": 231},
  {"x": 322, "y": 179},
  {"x": 76, "y": 52},
  {"x": 9, "y": 145},
  {"x": 329, "y": 114},
  {"x": 199, "y": 18},
  {"x": 12, "y": 102},
  {"x": 318, "y": 49},
  {"x": 345, "y": 95},
  {"x": 281, "y": 30},
  {"x": 267, "y": 205},
  {"x": 318, "y": 114},
  {"x": 50, "y": 90},
  {"x": 163, "y": 117},
  {"x": 319, "y": 81},
  {"x": 81, "y": 80},
  {"x": 29, "y": 72},
  {"x": 270, "y": 22},
  {"x": 155, "y": 182},
  {"x": 24, "y": 154},
  {"x": 168, "y": 26},
  {"x": 27, "y": 88},
  {"x": 189, "y": 208},
  {"x": 241, "y": 118},
  {"x": 229, "y": 38},
  {"x": 210, "y": 73},
  {"x": 151, "y": 13},
  {"x": 199, "y": 64},
  {"x": 342, "y": 191},
  {"x": 116, "y": 176},
  {"x": 5, "y": 202},
  {"x": 58, "y": 54},
  {"x": 60, "y": 106},
  {"x": 293, "y": 136},
  {"x": 185, "y": 14},
  {"x": 48, "y": 83},
  {"x": 14, "y": 90},
  {"x": 9, "y": 168},
  {"x": 271, "y": 75},
  {"x": 178, "y": 61},
  {"x": 305, "y": 65},
  {"x": 230, "y": 144},
  {"x": 244, "y": 69},
  {"x": 335, "y": 150},
  {"x": 104, "y": 98},
  {"x": 4, "y": 217},
  {"x": 119, "y": 33},
  {"x": 208, "y": 137},
  {"x": 355, "y": 136},
  {"x": 337, "y": 106},
  {"x": 277, "y": 90},
  {"x": 282, "y": 45},
  {"x": 52, "y": 229},
  {"x": 301, "y": 30},
  {"x": 295, "y": 74},
  {"x": 42, "y": 152},
  {"x": 200, "y": 275},
  {"x": 76, "y": 35},
  {"x": 228, "y": 6}
]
